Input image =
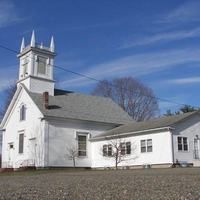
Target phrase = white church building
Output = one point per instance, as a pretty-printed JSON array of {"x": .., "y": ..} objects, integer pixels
[{"x": 42, "y": 124}]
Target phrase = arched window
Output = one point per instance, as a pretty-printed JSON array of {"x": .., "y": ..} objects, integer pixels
[{"x": 22, "y": 113}]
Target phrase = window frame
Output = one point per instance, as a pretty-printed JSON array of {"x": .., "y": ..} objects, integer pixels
[
  {"x": 45, "y": 59},
  {"x": 196, "y": 149},
  {"x": 128, "y": 148},
  {"x": 82, "y": 134},
  {"x": 146, "y": 146},
  {"x": 107, "y": 150},
  {"x": 125, "y": 148},
  {"x": 22, "y": 113},
  {"x": 181, "y": 145},
  {"x": 21, "y": 143}
]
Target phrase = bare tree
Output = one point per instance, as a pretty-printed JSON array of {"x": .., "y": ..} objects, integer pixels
[
  {"x": 118, "y": 149},
  {"x": 72, "y": 154},
  {"x": 9, "y": 93},
  {"x": 183, "y": 109},
  {"x": 133, "y": 96}
]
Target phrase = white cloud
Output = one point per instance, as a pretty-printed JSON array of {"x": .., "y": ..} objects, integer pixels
[
  {"x": 182, "y": 81},
  {"x": 163, "y": 37},
  {"x": 137, "y": 65},
  {"x": 187, "y": 12},
  {"x": 8, "y": 13},
  {"x": 5, "y": 83}
]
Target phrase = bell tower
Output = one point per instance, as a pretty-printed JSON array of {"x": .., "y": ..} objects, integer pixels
[{"x": 36, "y": 66}]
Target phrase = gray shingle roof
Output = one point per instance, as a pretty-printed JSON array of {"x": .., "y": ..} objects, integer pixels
[
  {"x": 71, "y": 105},
  {"x": 147, "y": 125}
]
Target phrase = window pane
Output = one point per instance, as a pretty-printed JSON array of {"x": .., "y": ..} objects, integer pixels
[
  {"x": 149, "y": 145},
  {"x": 82, "y": 153},
  {"x": 109, "y": 150},
  {"x": 143, "y": 143},
  {"x": 179, "y": 140},
  {"x": 82, "y": 145},
  {"x": 104, "y": 150},
  {"x": 21, "y": 143},
  {"x": 42, "y": 65},
  {"x": 185, "y": 146},
  {"x": 180, "y": 144},
  {"x": 25, "y": 66},
  {"x": 22, "y": 113},
  {"x": 143, "y": 149},
  {"x": 149, "y": 142},
  {"x": 143, "y": 146},
  {"x": 184, "y": 140},
  {"x": 180, "y": 147},
  {"x": 123, "y": 148},
  {"x": 128, "y": 148},
  {"x": 149, "y": 149}
]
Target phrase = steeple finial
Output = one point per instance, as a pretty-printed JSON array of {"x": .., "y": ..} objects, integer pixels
[
  {"x": 33, "y": 39},
  {"x": 41, "y": 45},
  {"x": 22, "y": 45},
  {"x": 52, "y": 45}
]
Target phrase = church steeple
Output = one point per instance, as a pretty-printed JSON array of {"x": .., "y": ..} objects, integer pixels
[
  {"x": 52, "y": 45},
  {"x": 22, "y": 45},
  {"x": 33, "y": 39},
  {"x": 36, "y": 66}
]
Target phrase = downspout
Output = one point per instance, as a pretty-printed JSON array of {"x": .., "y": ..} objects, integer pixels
[{"x": 48, "y": 146}]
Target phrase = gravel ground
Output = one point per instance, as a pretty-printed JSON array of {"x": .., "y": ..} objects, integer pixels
[{"x": 98, "y": 185}]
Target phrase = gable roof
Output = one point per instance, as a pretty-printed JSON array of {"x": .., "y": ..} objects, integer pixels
[
  {"x": 158, "y": 123},
  {"x": 66, "y": 104}
]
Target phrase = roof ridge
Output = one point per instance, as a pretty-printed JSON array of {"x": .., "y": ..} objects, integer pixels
[{"x": 166, "y": 121}]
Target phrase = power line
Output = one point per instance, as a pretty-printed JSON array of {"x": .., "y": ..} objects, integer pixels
[
  {"x": 97, "y": 80},
  {"x": 8, "y": 49}
]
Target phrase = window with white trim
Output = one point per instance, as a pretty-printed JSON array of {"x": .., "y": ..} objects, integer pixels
[
  {"x": 125, "y": 148},
  {"x": 21, "y": 143},
  {"x": 182, "y": 143},
  {"x": 146, "y": 145},
  {"x": 82, "y": 144},
  {"x": 22, "y": 116},
  {"x": 107, "y": 150}
]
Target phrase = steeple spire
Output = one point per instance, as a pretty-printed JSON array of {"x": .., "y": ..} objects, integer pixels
[
  {"x": 33, "y": 39},
  {"x": 52, "y": 45},
  {"x": 36, "y": 66},
  {"x": 22, "y": 45}
]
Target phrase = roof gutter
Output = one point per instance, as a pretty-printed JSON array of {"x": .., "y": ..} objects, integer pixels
[
  {"x": 129, "y": 133},
  {"x": 48, "y": 117}
]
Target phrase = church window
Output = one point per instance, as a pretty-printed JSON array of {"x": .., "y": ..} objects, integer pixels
[
  {"x": 25, "y": 67},
  {"x": 146, "y": 146},
  {"x": 82, "y": 144},
  {"x": 22, "y": 113},
  {"x": 42, "y": 65},
  {"x": 21, "y": 142},
  {"x": 182, "y": 144},
  {"x": 107, "y": 150}
]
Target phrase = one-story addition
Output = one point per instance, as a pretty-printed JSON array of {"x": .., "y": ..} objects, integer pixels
[{"x": 42, "y": 124}]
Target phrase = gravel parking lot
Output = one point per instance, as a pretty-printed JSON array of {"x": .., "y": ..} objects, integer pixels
[{"x": 183, "y": 183}]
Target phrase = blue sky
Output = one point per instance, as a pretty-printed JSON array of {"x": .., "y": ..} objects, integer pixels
[{"x": 157, "y": 42}]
